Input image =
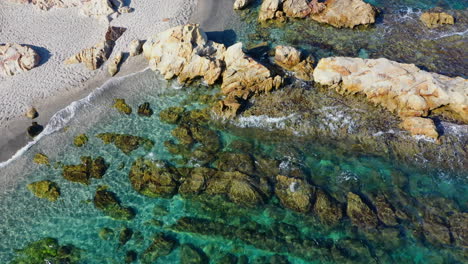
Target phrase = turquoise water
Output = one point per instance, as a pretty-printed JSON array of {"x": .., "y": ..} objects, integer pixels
[{"x": 428, "y": 203}]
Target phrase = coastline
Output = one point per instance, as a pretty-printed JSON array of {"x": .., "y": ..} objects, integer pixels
[{"x": 59, "y": 85}]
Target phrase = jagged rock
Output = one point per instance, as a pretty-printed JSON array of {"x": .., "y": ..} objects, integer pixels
[
  {"x": 295, "y": 194},
  {"x": 31, "y": 113},
  {"x": 15, "y": 58},
  {"x": 122, "y": 106},
  {"x": 80, "y": 140},
  {"x": 359, "y": 213},
  {"x": 89, "y": 168},
  {"x": 190, "y": 254},
  {"x": 401, "y": 88},
  {"x": 240, "y": 4},
  {"x": 296, "y": 8},
  {"x": 145, "y": 110},
  {"x": 113, "y": 66},
  {"x": 346, "y": 13},
  {"x": 45, "y": 190},
  {"x": 126, "y": 143},
  {"x": 289, "y": 59},
  {"x": 327, "y": 209},
  {"x": 34, "y": 129},
  {"x": 41, "y": 158},
  {"x": 184, "y": 51},
  {"x": 97, "y": 8},
  {"x": 162, "y": 246},
  {"x": 135, "y": 47},
  {"x": 171, "y": 115},
  {"x": 420, "y": 126},
  {"x": 108, "y": 202},
  {"x": 384, "y": 211},
  {"x": 269, "y": 9},
  {"x": 434, "y": 20},
  {"x": 153, "y": 178}
]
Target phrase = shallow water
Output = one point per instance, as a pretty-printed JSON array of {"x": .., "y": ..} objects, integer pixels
[{"x": 426, "y": 195}]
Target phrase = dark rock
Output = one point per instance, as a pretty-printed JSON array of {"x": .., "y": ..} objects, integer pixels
[
  {"x": 435, "y": 230},
  {"x": 171, "y": 115},
  {"x": 45, "y": 190},
  {"x": 126, "y": 143},
  {"x": 122, "y": 106},
  {"x": 131, "y": 256},
  {"x": 385, "y": 211},
  {"x": 207, "y": 137},
  {"x": 153, "y": 178},
  {"x": 162, "y": 246},
  {"x": 82, "y": 173},
  {"x": 327, "y": 209},
  {"x": 80, "y": 140},
  {"x": 47, "y": 249},
  {"x": 189, "y": 254},
  {"x": 35, "y": 129},
  {"x": 108, "y": 203},
  {"x": 360, "y": 213},
  {"x": 235, "y": 162},
  {"x": 183, "y": 134},
  {"x": 295, "y": 194},
  {"x": 458, "y": 225},
  {"x": 145, "y": 110},
  {"x": 195, "y": 183},
  {"x": 124, "y": 236},
  {"x": 228, "y": 259}
]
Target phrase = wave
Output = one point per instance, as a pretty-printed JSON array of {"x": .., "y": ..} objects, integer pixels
[{"x": 63, "y": 117}]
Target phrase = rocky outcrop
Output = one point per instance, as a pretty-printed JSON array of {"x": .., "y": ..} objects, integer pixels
[
  {"x": 113, "y": 66},
  {"x": 434, "y": 20},
  {"x": 110, "y": 205},
  {"x": 346, "y": 13},
  {"x": 89, "y": 168},
  {"x": 240, "y": 4},
  {"x": 401, "y": 88},
  {"x": 126, "y": 143},
  {"x": 15, "y": 58},
  {"x": 272, "y": 9},
  {"x": 295, "y": 194},
  {"x": 420, "y": 126},
  {"x": 135, "y": 47},
  {"x": 45, "y": 190},
  {"x": 360, "y": 213},
  {"x": 290, "y": 59}
]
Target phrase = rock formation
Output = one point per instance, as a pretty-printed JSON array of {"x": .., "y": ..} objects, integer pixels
[
  {"x": 420, "y": 126},
  {"x": 89, "y": 168},
  {"x": 290, "y": 59},
  {"x": 45, "y": 190},
  {"x": 401, "y": 88},
  {"x": 240, "y": 4},
  {"x": 295, "y": 194},
  {"x": 134, "y": 48},
  {"x": 360, "y": 213},
  {"x": 15, "y": 58},
  {"x": 113, "y": 66},
  {"x": 346, "y": 13},
  {"x": 32, "y": 112},
  {"x": 434, "y": 20}
]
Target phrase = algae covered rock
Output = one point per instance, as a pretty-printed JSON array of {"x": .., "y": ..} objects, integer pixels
[
  {"x": 89, "y": 168},
  {"x": 126, "y": 143},
  {"x": 80, "y": 140},
  {"x": 40, "y": 158},
  {"x": 125, "y": 235},
  {"x": 171, "y": 115},
  {"x": 189, "y": 254},
  {"x": 47, "y": 249},
  {"x": 295, "y": 194},
  {"x": 235, "y": 162},
  {"x": 360, "y": 213},
  {"x": 153, "y": 178},
  {"x": 196, "y": 182},
  {"x": 45, "y": 190},
  {"x": 108, "y": 202},
  {"x": 436, "y": 19},
  {"x": 122, "y": 106},
  {"x": 145, "y": 109},
  {"x": 162, "y": 246},
  {"x": 131, "y": 256},
  {"x": 183, "y": 134},
  {"x": 106, "y": 233},
  {"x": 328, "y": 210}
]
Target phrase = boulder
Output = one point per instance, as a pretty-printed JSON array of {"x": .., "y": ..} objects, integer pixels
[
  {"x": 34, "y": 129},
  {"x": 145, "y": 110},
  {"x": 269, "y": 9},
  {"x": 113, "y": 66},
  {"x": 98, "y": 8},
  {"x": 135, "y": 47},
  {"x": 32, "y": 113},
  {"x": 108, "y": 203},
  {"x": 360, "y": 213},
  {"x": 48, "y": 250},
  {"x": 401, "y": 88},
  {"x": 82, "y": 173},
  {"x": 171, "y": 115},
  {"x": 162, "y": 246},
  {"x": 15, "y": 58},
  {"x": 296, "y": 8},
  {"x": 122, "y": 106},
  {"x": 45, "y": 190},
  {"x": 295, "y": 194},
  {"x": 126, "y": 143},
  {"x": 419, "y": 126},
  {"x": 153, "y": 178},
  {"x": 290, "y": 59},
  {"x": 346, "y": 13},
  {"x": 40, "y": 158},
  {"x": 240, "y": 4},
  {"x": 434, "y": 19},
  {"x": 328, "y": 210}
]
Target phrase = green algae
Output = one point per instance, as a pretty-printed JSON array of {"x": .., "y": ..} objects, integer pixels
[
  {"x": 41, "y": 158},
  {"x": 84, "y": 172},
  {"x": 49, "y": 250},
  {"x": 126, "y": 143},
  {"x": 45, "y": 190},
  {"x": 110, "y": 205},
  {"x": 122, "y": 106},
  {"x": 80, "y": 140}
]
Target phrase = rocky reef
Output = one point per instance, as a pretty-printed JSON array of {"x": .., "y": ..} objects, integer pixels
[
  {"x": 80, "y": 140},
  {"x": 109, "y": 204},
  {"x": 162, "y": 246},
  {"x": 122, "y": 106},
  {"x": 47, "y": 249},
  {"x": 41, "y": 158},
  {"x": 84, "y": 172},
  {"x": 126, "y": 143},
  {"x": 435, "y": 19},
  {"x": 15, "y": 58},
  {"x": 45, "y": 190}
]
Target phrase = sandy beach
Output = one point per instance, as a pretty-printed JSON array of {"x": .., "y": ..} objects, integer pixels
[{"x": 53, "y": 85}]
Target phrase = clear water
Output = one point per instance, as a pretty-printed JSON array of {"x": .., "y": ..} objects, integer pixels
[{"x": 334, "y": 168}]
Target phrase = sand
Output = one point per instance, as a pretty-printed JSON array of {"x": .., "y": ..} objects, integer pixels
[{"x": 56, "y": 35}]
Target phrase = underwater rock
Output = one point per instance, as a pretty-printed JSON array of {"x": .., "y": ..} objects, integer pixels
[
  {"x": 131, "y": 256},
  {"x": 183, "y": 134},
  {"x": 171, "y": 115},
  {"x": 458, "y": 226},
  {"x": 401, "y": 88},
  {"x": 45, "y": 190},
  {"x": 47, "y": 249},
  {"x": 113, "y": 65},
  {"x": 184, "y": 51},
  {"x": 289, "y": 59},
  {"x": 384, "y": 211},
  {"x": 189, "y": 254},
  {"x": 196, "y": 182},
  {"x": 35, "y": 129},
  {"x": 434, "y": 20},
  {"x": 124, "y": 236},
  {"x": 40, "y": 158},
  {"x": 227, "y": 259},
  {"x": 420, "y": 126},
  {"x": 126, "y": 143},
  {"x": 153, "y": 178},
  {"x": 240, "y": 4},
  {"x": 109, "y": 204},
  {"x": 31, "y": 113},
  {"x": 15, "y": 58},
  {"x": 89, "y": 168},
  {"x": 162, "y": 246},
  {"x": 346, "y": 13},
  {"x": 360, "y": 213},
  {"x": 327, "y": 209},
  {"x": 80, "y": 140},
  {"x": 135, "y": 47},
  {"x": 295, "y": 194},
  {"x": 228, "y": 161},
  {"x": 207, "y": 137},
  {"x": 106, "y": 233},
  {"x": 122, "y": 106},
  {"x": 145, "y": 110}
]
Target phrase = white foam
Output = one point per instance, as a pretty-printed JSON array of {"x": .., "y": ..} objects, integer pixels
[{"x": 263, "y": 121}]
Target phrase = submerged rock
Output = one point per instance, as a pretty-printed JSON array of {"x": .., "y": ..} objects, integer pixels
[
  {"x": 360, "y": 213},
  {"x": 295, "y": 194},
  {"x": 122, "y": 106},
  {"x": 171, "y": 115},
  {"x": 189, "y": 254},
  {"x": 15, "y": 58},
  {"x": 125, "y": 236},
  {"x": 40, "y": 158},
  {"x": 434, "y": 19},
  {"x": 80, "y": 140},
  {"x": 47, "y": 249},
  {"x": 109, "y": 204},
  {"x": 153, "y": 178},
  {"x": 131, "y": 256},
  {"x": 126, "y": 143},
  {"x": 45, "y": 190},
  {"x": 106, "y": 233},
  {"x": 290, "y": 59},
  {"x": 346, "y": 13},
  {"x": 162, "y": 246},
  {"x": 89, "y": 168},
  {"x": 385, "y": 211},
  {"x": 328, "y": 210},
  {"x": 145, "y": 110}
]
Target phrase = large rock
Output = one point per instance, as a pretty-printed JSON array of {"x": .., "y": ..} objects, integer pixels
[
  {"x": 269, "y": 9},
  {"x": 295, "y": 194},
  {"x": 434, "y": 20},
  {"x": 184, "y": 51},
  {"x": 346, "y": 13},
  {"x": 15, "y": 58},
  {"x": 360, "y": 213},
  {"x": 401, "y": 88},
  {"x": 240, "y": 4},
  {"x": 45, "y": 190},
  {"x": 296, "y": 8},
  {"x": 290, "y": 59},
  {"x": 419, "y": 126},
  {"x": 113, "y": 65},
  {"x": 326, "y": 208}
]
